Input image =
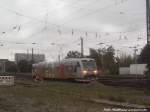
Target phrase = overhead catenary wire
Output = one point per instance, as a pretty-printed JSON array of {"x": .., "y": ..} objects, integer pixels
[
  {"x": 110, "y": 32},
  {"x": 78, "y": 30},
  {"x": 73, "y": 28},
  {"x": 74, "y": 42},
  {"x": 92, "y": 12},
  {"x": 32, "y": 18}
]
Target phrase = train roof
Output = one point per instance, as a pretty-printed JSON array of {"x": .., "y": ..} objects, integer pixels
[
  {"x": 77, "y": 59},
  {"x": 65, "y": 60},
  {"x": 40, "y": 64}
]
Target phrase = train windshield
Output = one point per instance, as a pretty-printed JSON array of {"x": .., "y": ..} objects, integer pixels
[{"x": 89, "y": 64}]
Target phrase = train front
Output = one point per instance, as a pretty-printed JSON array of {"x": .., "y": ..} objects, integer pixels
[{"x": 89, "y": 69}]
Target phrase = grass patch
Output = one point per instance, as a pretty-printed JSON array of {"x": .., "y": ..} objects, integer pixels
[{"x": 63, "y": 96}]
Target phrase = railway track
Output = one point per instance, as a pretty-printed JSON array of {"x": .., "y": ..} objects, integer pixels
[
  {"x": 117, "y": 81},
  {"x": 87, "y": 99},
  {"x": 136, "y": 82}
]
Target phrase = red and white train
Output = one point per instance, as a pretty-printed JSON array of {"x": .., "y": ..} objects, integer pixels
[{"x": 73, "y": 68}]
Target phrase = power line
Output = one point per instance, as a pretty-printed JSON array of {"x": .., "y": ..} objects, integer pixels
[
  {"x": 32, "y": 18},
  {"x": 35, "y": 18},
  {"x": 47, "y": 12},
  {"x": 42, "y": 31},
  {"x": 55, "y": 24},
  {"x": 86, "y": 14},
  {"x": 91, "y": 13}
]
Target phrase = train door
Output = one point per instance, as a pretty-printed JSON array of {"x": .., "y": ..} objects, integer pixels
[
  {"x": 50, "y": 69},
  {"x": 46, "y": 70},
  {"x": 77, "y": 69},
  {"x": 62, "y": 71},
  {"x": 34, "y": 70},
  {"x": 68, "y": 69}
]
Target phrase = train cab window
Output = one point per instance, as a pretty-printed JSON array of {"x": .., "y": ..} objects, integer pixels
[{"x": 89, "y": 64}]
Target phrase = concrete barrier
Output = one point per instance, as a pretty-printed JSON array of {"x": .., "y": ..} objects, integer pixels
[{"x": 7, "y": 80}]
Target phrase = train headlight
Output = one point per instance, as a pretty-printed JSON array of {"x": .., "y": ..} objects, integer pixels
[
  {"x": 84, "y": 72},
  {"x": 95, "y": 72}
]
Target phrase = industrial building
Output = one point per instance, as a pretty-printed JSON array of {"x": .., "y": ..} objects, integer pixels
[{"x": 29, "y": 57}]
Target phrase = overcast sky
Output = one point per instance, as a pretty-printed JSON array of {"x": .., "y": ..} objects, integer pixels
[{"x": 54, "y": 27}]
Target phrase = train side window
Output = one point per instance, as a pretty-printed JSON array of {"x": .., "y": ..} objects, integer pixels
[
  {"x": 75, "y": 68},
  {"x": 78, "y": 64}
]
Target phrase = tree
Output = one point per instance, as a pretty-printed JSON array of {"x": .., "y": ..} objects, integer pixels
[
  {"x": 73, "y": 54},
  {"x": 144, "y": 57},
  {"x": 24, "y": 66},
  {"x": 125, "y": 60},
  {"x": 109, "y": 61},
  {"x": 10, "y": 66},
  {"x": 96, "y": 54},
  {"x": 105, "y": 59}
]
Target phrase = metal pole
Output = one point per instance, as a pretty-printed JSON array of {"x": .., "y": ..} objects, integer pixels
[
  {"x": 28, "y": 54},
  {"x": 3, "y": 68},
  {"x": 148, "y": 20},
  {"x": 148, "y": 30},
  {"x": 32, "y": 55},
  {"x": 59, "y": 58},
  {"x": 102, "y": 60},
  {"x": 135, "y": 56},
  {"x": 82, "y": 49}
]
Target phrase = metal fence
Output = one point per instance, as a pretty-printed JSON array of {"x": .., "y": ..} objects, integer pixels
[{"x": 7, "y": 80}]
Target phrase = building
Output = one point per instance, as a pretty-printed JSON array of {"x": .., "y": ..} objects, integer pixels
[
  {"x": 29, "y": 57},
  {"x": 124, "y": 70},
  {"x": 134, "y": 69},
  {"x": 138, "y": 69}
]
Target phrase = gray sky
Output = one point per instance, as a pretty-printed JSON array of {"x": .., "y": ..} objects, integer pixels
[{"x": 121, "y": 23}]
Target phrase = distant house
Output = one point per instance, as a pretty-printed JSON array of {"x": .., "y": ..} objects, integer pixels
[{"x": 29, "y": 57}]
